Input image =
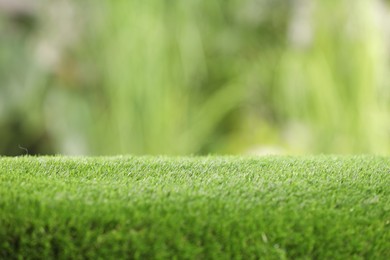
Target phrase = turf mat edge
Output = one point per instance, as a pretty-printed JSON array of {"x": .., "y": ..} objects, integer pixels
[{"x": 195, "y": 207}]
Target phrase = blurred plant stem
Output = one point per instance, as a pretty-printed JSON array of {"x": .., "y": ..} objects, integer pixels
[
  {"x": 337, "y": 84},
  {"x": 154, "y": 67}
]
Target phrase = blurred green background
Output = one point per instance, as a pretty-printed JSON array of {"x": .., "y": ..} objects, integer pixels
[{"x": 194, "y": 77}]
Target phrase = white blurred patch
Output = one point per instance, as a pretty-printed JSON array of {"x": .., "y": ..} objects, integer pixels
[
  {"x": 74, "y": 145},
  {"x": 298, "y": 135},
  {"x": 266, "y": 150},
  {"x": 16, "y": 7},
  {"x": 61, "y": 29},
  {"x": 300, "y": 32},
  {"x": 48, "y": 55}
]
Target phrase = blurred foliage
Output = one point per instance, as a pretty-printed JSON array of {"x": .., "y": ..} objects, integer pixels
[
  {"x": 194, "y": 77},
  {"x": 338, "y": 85}
]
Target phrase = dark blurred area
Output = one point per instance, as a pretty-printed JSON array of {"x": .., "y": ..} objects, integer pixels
[{"x": 194, "y": 77}]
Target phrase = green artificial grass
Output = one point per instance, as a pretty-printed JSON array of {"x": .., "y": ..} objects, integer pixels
[{"x": 320, "y": 207}]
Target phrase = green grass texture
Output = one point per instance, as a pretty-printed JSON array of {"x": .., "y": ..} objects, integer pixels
[{"x": 316, "y": 207}]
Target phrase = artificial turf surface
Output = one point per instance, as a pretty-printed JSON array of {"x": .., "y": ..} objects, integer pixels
[{"x": 320, "y": 207}]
